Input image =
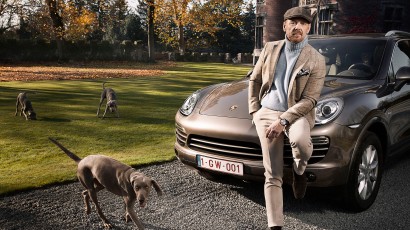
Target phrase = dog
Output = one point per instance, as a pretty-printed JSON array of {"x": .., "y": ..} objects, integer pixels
[
  {"x": 96, "y": 172},
  {"x": 26, "y": 107},
  {"x": 111, "y": 96}
]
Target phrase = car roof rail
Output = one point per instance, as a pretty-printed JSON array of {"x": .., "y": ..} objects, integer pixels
[{"x": 396, "y": 32}]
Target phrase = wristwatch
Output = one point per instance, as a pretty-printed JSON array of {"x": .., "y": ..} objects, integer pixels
[{"x": 284, "y": 122}]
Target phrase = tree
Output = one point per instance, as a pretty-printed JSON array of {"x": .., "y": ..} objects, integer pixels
[
  {"x": 151, "y": 16},
  {"x": 174, "y": 17},
  {"x": 142, "y": 12},
  {"x": 134, "y": 29},
  {"x": 35, "y": 21},
  {"x": 233, "y": 38},
  {"x": 115, "y": 28},
  {"x": 58, "y": 25},
  {"x": 8, "y": 11},
  {"x": 78, "y": 21}
]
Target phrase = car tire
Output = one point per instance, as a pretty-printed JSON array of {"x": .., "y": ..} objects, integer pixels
[{"x": 365, "y": 174}]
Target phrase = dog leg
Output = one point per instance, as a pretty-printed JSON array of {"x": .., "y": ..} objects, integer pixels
[
  {"x": 106, "y": 108},
  {"x": 130, "y": 212},
  {"x": 157, "y": 188},
  {"x": 93, "y": 195},
  {"x": 86, "y": 202},
  {"x": 102, "y": 98},
  {"x": 98, "y": 111},
  {"x": 25, "y": 114},
  {"x": 17, "y": 107},
  {"x": 86, "y": 195},
  {"x": 85, "y": 176}
]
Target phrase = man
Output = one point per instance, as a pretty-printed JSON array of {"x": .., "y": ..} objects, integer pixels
[{"x": 283, "y": 91}]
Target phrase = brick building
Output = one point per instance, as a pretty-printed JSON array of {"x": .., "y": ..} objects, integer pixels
[{"x": 332, "y": 17}]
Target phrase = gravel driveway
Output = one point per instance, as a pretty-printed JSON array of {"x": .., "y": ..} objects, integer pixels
[{"x": 192, "y": 202}]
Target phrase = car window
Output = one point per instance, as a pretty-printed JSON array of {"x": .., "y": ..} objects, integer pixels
[
  {"x": 351, "y": 58},
  {"x": 401, "y": 56}
]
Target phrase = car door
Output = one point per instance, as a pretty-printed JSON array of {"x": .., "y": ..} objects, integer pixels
[{"x": 398, "y": 113}]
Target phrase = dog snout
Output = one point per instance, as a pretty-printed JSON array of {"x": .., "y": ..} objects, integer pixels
[{"x": 142, "y": 202}]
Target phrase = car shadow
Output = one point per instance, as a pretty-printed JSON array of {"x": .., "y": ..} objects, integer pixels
[
  {"x": 316, "y": 199},
  {"x": 325, "y": 207}
]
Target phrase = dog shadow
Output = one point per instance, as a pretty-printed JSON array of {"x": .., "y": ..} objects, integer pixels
[
  {"x": 108, "y": 117},
  {"x": 54, "y": 119}
]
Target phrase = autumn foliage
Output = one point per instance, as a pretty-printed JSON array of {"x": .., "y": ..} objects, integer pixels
[{"x": 70, "y": 71}]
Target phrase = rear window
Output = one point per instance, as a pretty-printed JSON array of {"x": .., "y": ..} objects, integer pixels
[{"x": 351, "y": 58}]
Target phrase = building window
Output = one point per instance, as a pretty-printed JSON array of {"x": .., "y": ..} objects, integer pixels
[
  {"x": 392, "y": 17},
  {"x": 325, "y": 20},
  {"x": 259, "y": 32},
  {"x": 307, "y": 2}
]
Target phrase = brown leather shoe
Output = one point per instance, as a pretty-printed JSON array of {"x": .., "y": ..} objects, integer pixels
[{"x": 299, "y": 185}]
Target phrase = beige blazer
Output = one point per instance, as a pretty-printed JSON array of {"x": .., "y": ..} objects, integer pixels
[{"x": 305, "y": 84}]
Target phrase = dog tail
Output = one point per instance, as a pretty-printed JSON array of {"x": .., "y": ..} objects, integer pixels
[
  {"x": 103, "y": 85},
  {"x": 68, "y": 152}
]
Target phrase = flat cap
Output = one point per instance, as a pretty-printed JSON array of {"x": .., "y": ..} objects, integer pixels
[{"x": 298, "y": 12}]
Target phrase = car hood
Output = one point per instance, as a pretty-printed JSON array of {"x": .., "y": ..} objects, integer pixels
[
  {"x": 231, "y": 99},
  {"x": 339, "y": 87},
  {"x": 228, "y": 100}
]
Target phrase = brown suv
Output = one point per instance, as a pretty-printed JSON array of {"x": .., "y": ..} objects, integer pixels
[{"x": 361, "y": 117}]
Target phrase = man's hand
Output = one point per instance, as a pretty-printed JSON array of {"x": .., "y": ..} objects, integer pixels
[{"x": 274, "y": 129}]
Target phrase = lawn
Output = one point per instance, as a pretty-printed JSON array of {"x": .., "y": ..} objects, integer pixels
[{"x": 149, "y": 97}]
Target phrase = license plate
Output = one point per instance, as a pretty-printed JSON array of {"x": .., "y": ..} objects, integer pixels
[{"x": 220, "y": 165}]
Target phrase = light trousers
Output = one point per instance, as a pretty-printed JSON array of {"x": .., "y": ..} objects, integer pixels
[{"x": 272, "y": 152}]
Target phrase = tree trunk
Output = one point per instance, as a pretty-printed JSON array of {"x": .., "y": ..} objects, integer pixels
[
  {"x": 151, "y": 49},
  {"x": 58, "y": 26},
  {"x": 181, "y": 39}
]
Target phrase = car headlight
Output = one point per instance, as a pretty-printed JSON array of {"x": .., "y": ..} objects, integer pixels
[
  {"x": 328, "y": 109},
  {"x": 189, "y": 104}
]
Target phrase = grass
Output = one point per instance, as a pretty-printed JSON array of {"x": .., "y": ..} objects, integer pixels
[{"x": 66, "y": 110}]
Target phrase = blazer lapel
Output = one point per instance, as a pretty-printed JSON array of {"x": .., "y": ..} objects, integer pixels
[
  {"x": 302, "y": 59},
  {"x": 274, "y": 59}
]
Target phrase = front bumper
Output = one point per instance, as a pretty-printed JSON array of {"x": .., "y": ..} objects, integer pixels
[{"x": 328, "y": 169}]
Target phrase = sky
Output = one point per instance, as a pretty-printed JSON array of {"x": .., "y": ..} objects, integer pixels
[{"x": 132, "y": 3}]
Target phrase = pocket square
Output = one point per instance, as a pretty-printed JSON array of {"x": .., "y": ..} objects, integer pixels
[{"x": 303, "y": 72}]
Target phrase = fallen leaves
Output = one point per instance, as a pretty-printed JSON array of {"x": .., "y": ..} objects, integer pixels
[{"x": 68, "y": 71}]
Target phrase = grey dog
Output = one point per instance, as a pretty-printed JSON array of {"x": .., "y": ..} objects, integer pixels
[
  {"x": 111, "y": 96},
  {"x": 26, "y": 107},
  {"x": 96, "y": 172}
]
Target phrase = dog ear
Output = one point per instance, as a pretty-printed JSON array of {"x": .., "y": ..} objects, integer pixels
[{"x": 157, "y": 188}]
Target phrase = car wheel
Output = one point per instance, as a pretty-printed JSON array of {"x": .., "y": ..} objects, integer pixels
[{"x": 365, "y": 174}]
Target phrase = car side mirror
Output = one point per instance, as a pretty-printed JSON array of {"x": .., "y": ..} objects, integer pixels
[
  {"x": 403, "y": 74},
  {"x": 402, "y": 77}
]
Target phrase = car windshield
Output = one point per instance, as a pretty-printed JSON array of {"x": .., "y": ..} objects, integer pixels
[{"x": 350, "y": 58}]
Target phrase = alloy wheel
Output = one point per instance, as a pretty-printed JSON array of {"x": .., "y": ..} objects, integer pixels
[{"x": 368, "y": 172}]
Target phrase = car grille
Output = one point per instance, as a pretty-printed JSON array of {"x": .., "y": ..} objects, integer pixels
[
  {"x": 225, "y": 147},
  {"x": 246, "y": 150}
]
